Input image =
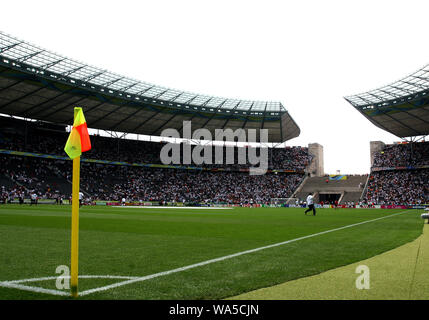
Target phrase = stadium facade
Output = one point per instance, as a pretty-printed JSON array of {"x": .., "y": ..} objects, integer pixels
[
  {"x": 43, "y": 86},
  {"x": 39, "y": 90}
]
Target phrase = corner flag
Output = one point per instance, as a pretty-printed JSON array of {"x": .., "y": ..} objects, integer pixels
[
  {"x": 78, "y": 140},
  {"x": 77, "y": 143}
]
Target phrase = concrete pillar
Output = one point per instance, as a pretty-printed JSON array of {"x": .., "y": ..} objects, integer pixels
[{"x": 316, "y": 168}]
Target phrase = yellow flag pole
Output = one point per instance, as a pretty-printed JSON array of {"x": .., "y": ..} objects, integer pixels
[
  {"x": 75, "y": 228},
  {"x": 75, "y": 225}
]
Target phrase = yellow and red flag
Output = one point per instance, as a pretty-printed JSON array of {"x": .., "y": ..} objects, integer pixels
[{"x": 78, "y": 140}]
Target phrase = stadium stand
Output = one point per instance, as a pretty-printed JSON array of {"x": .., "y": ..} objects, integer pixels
[
  {"x": 402, "y": 187},
  {"x": 399, "y": 172},
  {"x": 39, "y": 140},
  {"x": 400, "y": 175},
  {"x": 403, "y": 155},
  {"x": 113, "y": 182},
  {"x": 347, "y": 190},
  {"x": 43, "y": 88}
]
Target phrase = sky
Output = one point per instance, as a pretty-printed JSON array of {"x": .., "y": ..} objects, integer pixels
[{"x": 306, "y": 54}]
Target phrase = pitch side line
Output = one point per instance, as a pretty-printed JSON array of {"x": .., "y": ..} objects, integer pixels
[
  {"x": 7, "y": 284},
  {"x": 15, "y": 284},
  {"x": 182, "y": 208},
  {"x": 200, "y": 264},
  {"x": 68, "y": 277}
]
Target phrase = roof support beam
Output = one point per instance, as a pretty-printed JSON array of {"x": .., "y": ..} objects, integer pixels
[
  {"x": 190, "y": 100},
  {"x": 128, "y": 117},
  {"x": 248, "y": 111},
  {"x": 69, "y": 72},
  {"x": 128, "y": 87},
  {"x": 162, "y": 125},
  {"x": 231, "y": 115},
  {"x": 263, "y": 119},
  {"x": 64, "y": 107},
  {"x": 6, "y": 48},
  {"x": 144, "y": 91},
  {"x": 415, "y": 84},
  {"x": 109, "y": 83},
  {"x": 22, "y": 97},
  {"x": 11, "y": 85},
  {"x": 175, "y": 97},
  {"x": 92, "y": 76},
  {"x": 144, "y": 122},
  {"x": 53, "y": 63},
  {"x": 407, "y": 91},
  {"x": 25, "y": 112},
  {"x": 215, "y": 112},
  {"x": 159, "y": 94},
  {"x": 172, "y": 117},
  {"x": 29, "y": 56},
  {"x": 111, "y": 112}
]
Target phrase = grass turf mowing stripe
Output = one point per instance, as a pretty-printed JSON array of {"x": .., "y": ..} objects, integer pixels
[
  {"x": 398, "y": 274},
  {"x": 164, "y": 273}
]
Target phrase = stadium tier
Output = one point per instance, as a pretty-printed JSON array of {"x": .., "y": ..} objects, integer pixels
[
  {"x": 402, "y": 155},
  {"x": 19, "y": 135},
  {"x": 33, "y": 160},
  {"x": 38, "y": 84},
  {"x": 50, "y": 179},
  {"x": 399, "y": 174},
  {"x": 400, "y": 187}
]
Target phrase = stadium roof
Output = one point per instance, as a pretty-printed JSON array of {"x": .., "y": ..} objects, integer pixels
[
  {"x": 39, "y": 84},
  {"x": 401, "y": 108}
]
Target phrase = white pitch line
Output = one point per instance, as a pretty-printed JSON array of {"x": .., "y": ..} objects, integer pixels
[
  {"x": 165, "y": 273},
  {"x": 183, "y": 208},
  {"x": 33, "y": 289},
  {"x": 68, "y": 277},
  {"x": 15, "y": 284}
]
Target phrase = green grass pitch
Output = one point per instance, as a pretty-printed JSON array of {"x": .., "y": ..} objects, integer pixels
[{"x": 133, "y": 242}]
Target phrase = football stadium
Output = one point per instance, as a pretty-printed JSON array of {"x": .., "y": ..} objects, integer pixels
[{"x": 91, "y": 209}]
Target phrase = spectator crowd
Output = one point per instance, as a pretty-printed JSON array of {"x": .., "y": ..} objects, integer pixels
[
  {"x": 50, "y": 178},
  {"x": 134, "y": 151},
  {"x": 114, "y": 182},
  {"x": 400, "y": 187},
  {"x": 403, "y": 155}
]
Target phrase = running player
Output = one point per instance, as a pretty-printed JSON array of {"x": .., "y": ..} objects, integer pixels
[{"x": 310, "y": 203}]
